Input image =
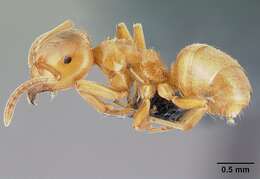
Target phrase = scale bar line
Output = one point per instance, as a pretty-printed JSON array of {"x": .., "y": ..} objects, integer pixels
[{"x": 238, "y": 163}]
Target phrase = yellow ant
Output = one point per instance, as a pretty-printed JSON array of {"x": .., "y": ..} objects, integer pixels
[{"x": 202, "y": 80}]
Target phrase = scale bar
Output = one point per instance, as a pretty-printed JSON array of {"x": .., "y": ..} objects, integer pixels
[{"x": 238, "y": 163}]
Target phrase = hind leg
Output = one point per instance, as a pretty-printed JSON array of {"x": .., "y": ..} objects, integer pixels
[
  {"x": 197, "y": 107},
  {"x": 184, "y": 102},
  {"x": 189, "y": 120}
]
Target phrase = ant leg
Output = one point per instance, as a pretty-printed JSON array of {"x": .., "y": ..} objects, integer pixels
[
  {"x": 142, "y": 120},
  {"x": 159, "y": 129},
  {"x": 139, "y": 36},
  {"x": 121, "y": 81},
  {"x": 99, "y": 90},
  {"x": 187, "y": 121},
  {"x": 122, "y": 32},
  {"x": 137, "y": 76},
  {"x": 184, "y": 102},
  {"x": 141, "y": 116},
  {"x": 90, "y": 91},
  {"x": 132, "y": 99},
  {"x": 189, "y": 102},
  {"x": 102, "y": 107}
]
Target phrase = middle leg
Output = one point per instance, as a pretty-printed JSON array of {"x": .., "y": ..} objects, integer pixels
[{"x": 141, "y": 118}]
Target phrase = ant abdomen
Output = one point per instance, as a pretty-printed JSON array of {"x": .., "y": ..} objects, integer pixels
[{"x": 204, "y": 71}]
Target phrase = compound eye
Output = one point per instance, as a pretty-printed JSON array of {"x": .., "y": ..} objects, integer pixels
[{"x": 67, "y": 59}]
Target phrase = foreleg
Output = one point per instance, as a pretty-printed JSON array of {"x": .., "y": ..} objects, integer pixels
[{"x": 91, "y": 91}]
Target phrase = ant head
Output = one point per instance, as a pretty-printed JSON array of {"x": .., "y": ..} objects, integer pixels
[
  {"x": 63, "y": 53},
  {"x": 57, "y": 59}
]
